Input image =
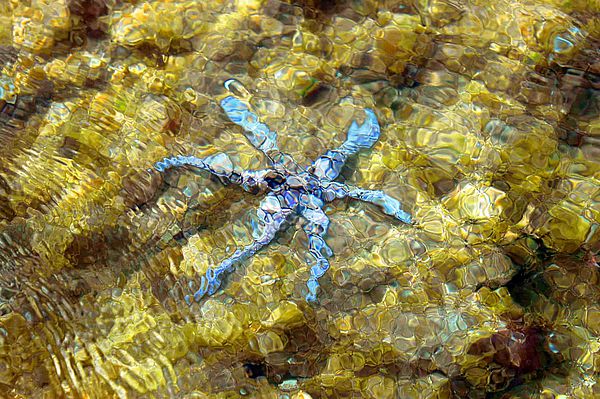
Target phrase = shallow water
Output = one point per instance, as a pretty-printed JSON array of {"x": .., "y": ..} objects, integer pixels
[{"x": 489, "y": 116}]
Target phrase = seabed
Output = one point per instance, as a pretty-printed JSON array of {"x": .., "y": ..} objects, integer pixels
[{"x": 127, "y": 129}]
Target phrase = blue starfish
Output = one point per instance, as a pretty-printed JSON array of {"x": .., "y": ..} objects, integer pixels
[{"x": 291, "y": 189}]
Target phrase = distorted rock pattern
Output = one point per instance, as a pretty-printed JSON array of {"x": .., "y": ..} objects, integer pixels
[{"x": 490, "y": 138}]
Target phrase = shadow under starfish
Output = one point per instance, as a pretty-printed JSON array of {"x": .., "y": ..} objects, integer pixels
[{"x": 291, "y": 189}]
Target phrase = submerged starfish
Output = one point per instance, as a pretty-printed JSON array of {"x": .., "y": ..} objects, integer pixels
[{"x": 291, "y": 189}]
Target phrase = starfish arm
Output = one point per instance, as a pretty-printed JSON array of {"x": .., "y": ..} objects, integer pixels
[
  {"x": 390, "y": 205},
  {"x": 218, "y": 165},
  {"x": 363, "y": 136},
  {"x": 259, "y": 134},
  {"x": 329, "y": 166},
  {"x": 272, "y": 215},
  {"x": 316, "y": 229}
]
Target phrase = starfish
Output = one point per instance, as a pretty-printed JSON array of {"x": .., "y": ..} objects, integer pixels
[{"x": 290, "y": 190}]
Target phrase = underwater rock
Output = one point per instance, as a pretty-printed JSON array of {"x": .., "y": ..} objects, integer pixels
[{"x": 488, "y": 132}]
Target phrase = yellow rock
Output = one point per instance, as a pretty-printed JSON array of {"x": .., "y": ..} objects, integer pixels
[
  {"x": 195, "y": 255},
  {"x": 301, "y": 395},
  {"x": 285, "y": 315},
  {"x": 38, "y": 25},
  {"x": 160, "y": 23},
  {"x": 567, "y": 227},
  {"x": 379, "y": 387},
  {"x": 551, "y": 32},
  {"x": 220, "y": 326},
  {"x": 397, "y": 42},
  {"x": 269, "y": 342},
  {"x": 484, "y": 210},
  {"x": 433, "y": 386},
  {"x": 297, "y": 74}
]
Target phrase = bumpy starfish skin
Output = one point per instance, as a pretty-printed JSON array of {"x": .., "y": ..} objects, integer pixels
[{"x": 290, "y": 190}]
